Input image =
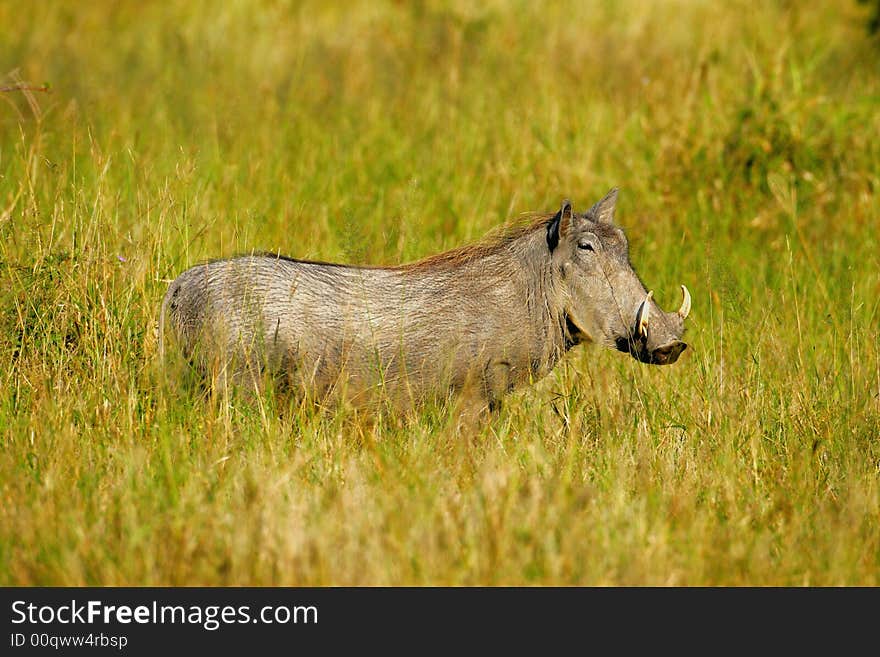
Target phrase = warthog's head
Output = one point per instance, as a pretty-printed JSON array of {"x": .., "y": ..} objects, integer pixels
[{"x": 605, "y": 301}]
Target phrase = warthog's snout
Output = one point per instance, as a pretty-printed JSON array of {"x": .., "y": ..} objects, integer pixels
[
  {"x": 664, "y": 355},
  {"x": 655, "y": 335}
]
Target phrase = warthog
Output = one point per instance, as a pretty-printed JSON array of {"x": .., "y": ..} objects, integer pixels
[{"x": 487, "y": 317}]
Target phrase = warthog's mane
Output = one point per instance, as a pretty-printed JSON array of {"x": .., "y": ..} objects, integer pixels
[{"x": 494, "y": 241}]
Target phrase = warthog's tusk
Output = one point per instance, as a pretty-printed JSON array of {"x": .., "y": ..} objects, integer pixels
[
  {"x": 685, "y": 309},
  {"x": 642, "y": 316}
]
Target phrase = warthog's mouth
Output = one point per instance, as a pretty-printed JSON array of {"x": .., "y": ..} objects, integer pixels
[
  {"x": 654, "y": 336},
  {"x": 638, "y": 349}
]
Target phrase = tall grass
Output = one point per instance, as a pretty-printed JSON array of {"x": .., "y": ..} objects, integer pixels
[{"x": 745, "y": 143}]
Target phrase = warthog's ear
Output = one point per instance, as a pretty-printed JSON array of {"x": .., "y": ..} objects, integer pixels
[
  {"x": 603, "y": 211},
  {"x": 559, "y": 224}
]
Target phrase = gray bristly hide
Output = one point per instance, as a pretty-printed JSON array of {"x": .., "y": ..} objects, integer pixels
[{"x": 486, "y": 317}]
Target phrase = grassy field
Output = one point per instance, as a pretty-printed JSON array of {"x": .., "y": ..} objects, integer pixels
[{"x": 744, "y": 139}]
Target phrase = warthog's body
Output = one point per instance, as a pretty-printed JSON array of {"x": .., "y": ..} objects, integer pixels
[{"x": 488, "y": 317}]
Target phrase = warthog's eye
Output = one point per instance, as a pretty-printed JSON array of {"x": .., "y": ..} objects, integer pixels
[{"x": 584, "y": 245}]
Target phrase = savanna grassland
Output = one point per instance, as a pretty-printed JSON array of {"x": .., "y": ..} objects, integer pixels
[{"x": 745, "y": 138}]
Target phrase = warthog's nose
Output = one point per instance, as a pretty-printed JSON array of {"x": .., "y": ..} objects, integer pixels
[
  {"x": 667, "y": 354},
  {"x": 641, "y": 351},
  {"x": 654, "y": 335}
]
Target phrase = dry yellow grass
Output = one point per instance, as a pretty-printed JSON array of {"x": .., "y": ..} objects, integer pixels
[{"x": 744, "y": 141}]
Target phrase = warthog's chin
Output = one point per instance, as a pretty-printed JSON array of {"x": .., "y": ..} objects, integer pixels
[{"x": 663, "y": 355}]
